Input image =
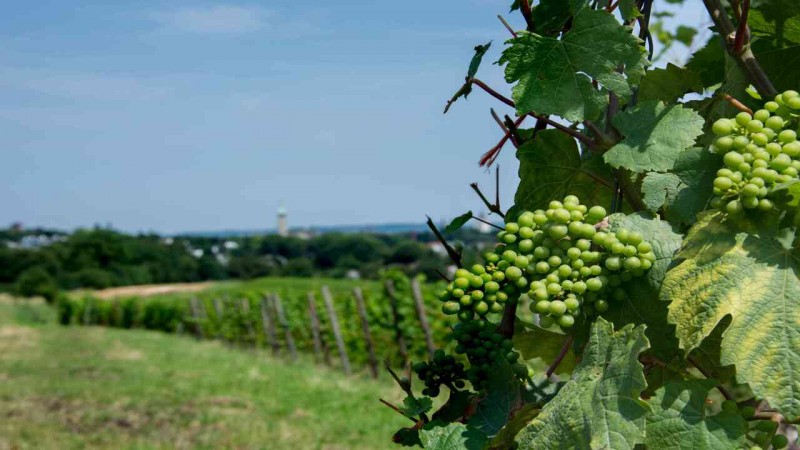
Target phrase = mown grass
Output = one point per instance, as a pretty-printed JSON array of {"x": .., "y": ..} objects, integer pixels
[{"x": 92, "y": 387}]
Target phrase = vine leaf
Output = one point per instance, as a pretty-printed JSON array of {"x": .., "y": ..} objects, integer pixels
[
  {"x": 540, "y": 347},
  {"x": 680, "y": 422},
  {"x": 709, "y": 62},
  {"x": 555, "y": 75},
  {"x": 505, "y": 438},
  {"x": 413, "y": 406},
  {"x": 437, "y": 435},
  {"x": 655, "y": 135},
  {"x": 669, "y": 84},
  {"x": 753, "y": 279},
  {"x": 551, "y": 167},
  {"x": 503, "y": 397},
  {"x": 628, "y": 10},
  {"x": 474, "y": 63},
  {"x": 458, "y": 222},
  {"x": 600, "y": 406},
  {"x": 687, "y": 189}
]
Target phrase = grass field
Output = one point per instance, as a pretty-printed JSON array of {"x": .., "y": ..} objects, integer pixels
[{"x": 92, "y": 387}]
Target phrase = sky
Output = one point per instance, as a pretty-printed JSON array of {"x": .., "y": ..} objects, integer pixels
[{"x": 186, "y": 116}]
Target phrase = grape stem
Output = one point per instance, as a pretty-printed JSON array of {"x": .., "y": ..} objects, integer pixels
[
  {"x": 492, "y": 207},
  {"x": 745, "y": 58},
  {"x": 736, "y": 103},
  {"x": 506, "y": 327},
  {"x": 406, "y": 387},
  {"x": 525, "y": 9},
  {"x": 488, "y": 158},
  {"x": 508, "y": 27},
  {"x": 742, "y": 32},
  {"x": 451, "y": 252},
  {"x": 398, "y": 410},
  {"x": 561, "y": 354},
  {"x": 722, "y": 389},
  {"x": 488, "y": 223}
]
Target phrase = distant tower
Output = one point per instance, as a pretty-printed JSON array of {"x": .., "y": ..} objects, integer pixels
[{"x": 283, "y": 225}]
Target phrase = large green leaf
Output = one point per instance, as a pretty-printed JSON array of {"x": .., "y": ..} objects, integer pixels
[
  {"x": 687, "y": 189},
  {"x": 600, "y": 406},
  {"x": 555, "y": 75},
  {"x": 655, "y": 135},
  {"x": 709, "y": 62},
  {"x": 438, "y": 435},
  {"x": 669, "y": 84},
  {"x": 680, "y": 422},
  {"x": 752, "y": 278},
  {"x": 551, "y": 167}
]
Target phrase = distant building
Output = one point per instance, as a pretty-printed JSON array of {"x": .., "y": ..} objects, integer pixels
[
  {"x": 283, "y": 224},
  {"x": 483, "y": 227}
]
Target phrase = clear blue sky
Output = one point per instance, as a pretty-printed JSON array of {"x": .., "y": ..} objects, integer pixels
[{"x": 175, "y": 116}]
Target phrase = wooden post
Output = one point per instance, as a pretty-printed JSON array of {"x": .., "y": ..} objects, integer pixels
[
  {"x": 219, "y": 309},
  {"x": 87, "y": 311},
  {"x": 251, "y": 332},
  {"x": 197, "y": 316},
  {"x": 337, "y": 333},
  {"x": 398, "y": 333},
  {"x": 285, "y": 324},
  {"x": 269, "y": 325},
  {"x": 362, "y": 312},
  {"x": 423, "y": 318},
  {"x": 315, "y": 327}
]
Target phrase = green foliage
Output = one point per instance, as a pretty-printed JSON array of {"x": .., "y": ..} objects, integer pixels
[
  {"x": 553, "y": 75},
  {"x": 36, "y": 281},
  {"x": 752, "y": 277},
  {"x": 680, "y": 420},
  {"x": 599, "y": 407},
  {"x": 552, "y": 167},
  {"x": 655, "y": 136}
]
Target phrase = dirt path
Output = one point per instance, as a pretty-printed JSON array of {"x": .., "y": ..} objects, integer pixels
[{"x": 144, "y": 290}]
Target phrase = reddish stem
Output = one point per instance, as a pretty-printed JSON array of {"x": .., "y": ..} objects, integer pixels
[
  {"x": 561, "y": 355},
  {"x": 742, "y": 32}
]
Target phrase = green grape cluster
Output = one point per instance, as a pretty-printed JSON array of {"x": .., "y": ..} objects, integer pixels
[
  {"x": 441, "y": 370},
  {"x": 759, "y": 151},
  {"x": 484, "y": 346},
  {"x": 566, "y": 263}
]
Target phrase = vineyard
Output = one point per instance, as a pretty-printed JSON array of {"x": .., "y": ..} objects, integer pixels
[{"x": 275, "y": 313}]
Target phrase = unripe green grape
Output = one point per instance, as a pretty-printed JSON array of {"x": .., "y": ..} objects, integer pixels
[
  {"x": 740, "y": 142},
  {"x": 553, "y": 288},
  {"x": 554, "y": 261},
  {"x": 588, "y": 230},
  {"x": 512, "y": 227},
  {"x": 526, "y": 220},
  {"x": 541, "y": 307},
  {"x": 754, "y": 126},
  {"x": 613, "y": 263},
  {"x": 564, "y": 271},
  {"x": 521, "y": 283},
  {"x": 759, "y": 140},
  {"x": 465, "y": 300},
  {"x": 542, "y": 267},
  {"x": 635, "y": 238},
  {"x": 596, "y": 214},
  {"x": 552, "y": 278},
  {"x": 600, "y": 306},
  {"x": 749, "y": 190},
  {"x": 632, "y": 263},
  {"x": 572, "y": 303},
  {"x": 546, "y": 321},
  {"x": 572, "y": 199},
  {"x": 477, "y": 295},
  {"x": 722, "y": 127},
  {"x": 646, "y": 264},
  {"x": 558, "y": 231},
  {"x": 576, "y": 215},
  {"x": 747, "y": 411},
  {"x": 509, "y": 238},
  {"x": 499, "y": 276},
  {"x": 729, "y": 406},
  {"x": 761, "y": 115},
  {"x": 525, "y": 245},
  {"x": 492, "y": 257},
  {"x": 723, "y": 183},
  {"x": 623, "y": 234},
  {"x": 574, "y": 253},
  {"x": 465, "y": 315},
  {"x": 557, "y": 307},
  {"x": 774, "y": 123},
  {"x": 765, "y": 205},
  {"x": 521, "y": 262},
  {"x": 555, "y": 204},
  {"x": 575, "y": 228},
  {"x": 566, "y": 285},
  {"x": 566, "y": 321},
  {"x": 630, "y": 250},
  {"x": 525, "y": 232},
  {"x": 481, "y": 308},
  {"x": 743, "y": 118},
  {"x": 495, "y": 307},
  {"x": 749, "y": 202},
  {"x": 579, "y": 287},
  {"x": 787, "y": 136},
  {"x": 513, "y": 273},
  {"x": 644, "y": 247},
  {"x": 723, "y": 144},
  {"x": 502, "y": 297},
  {"x": 771, "y": 106},
  {"x": 793, "y": 103},
  {"x": 594, "y": 284},
  {"x": 595, "y": 270},
  {"x": 461, "y": 283},
  {"x": 476, "y": 282},
  {"x": 734, "y": 207},
  {"x": 789, "y": 172},
  {"x": 744, "y": 168},
  {"x": 478, "y": 269},
  {"x": 561, "y": 216},
  {"x": 540, "y": 219}
]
